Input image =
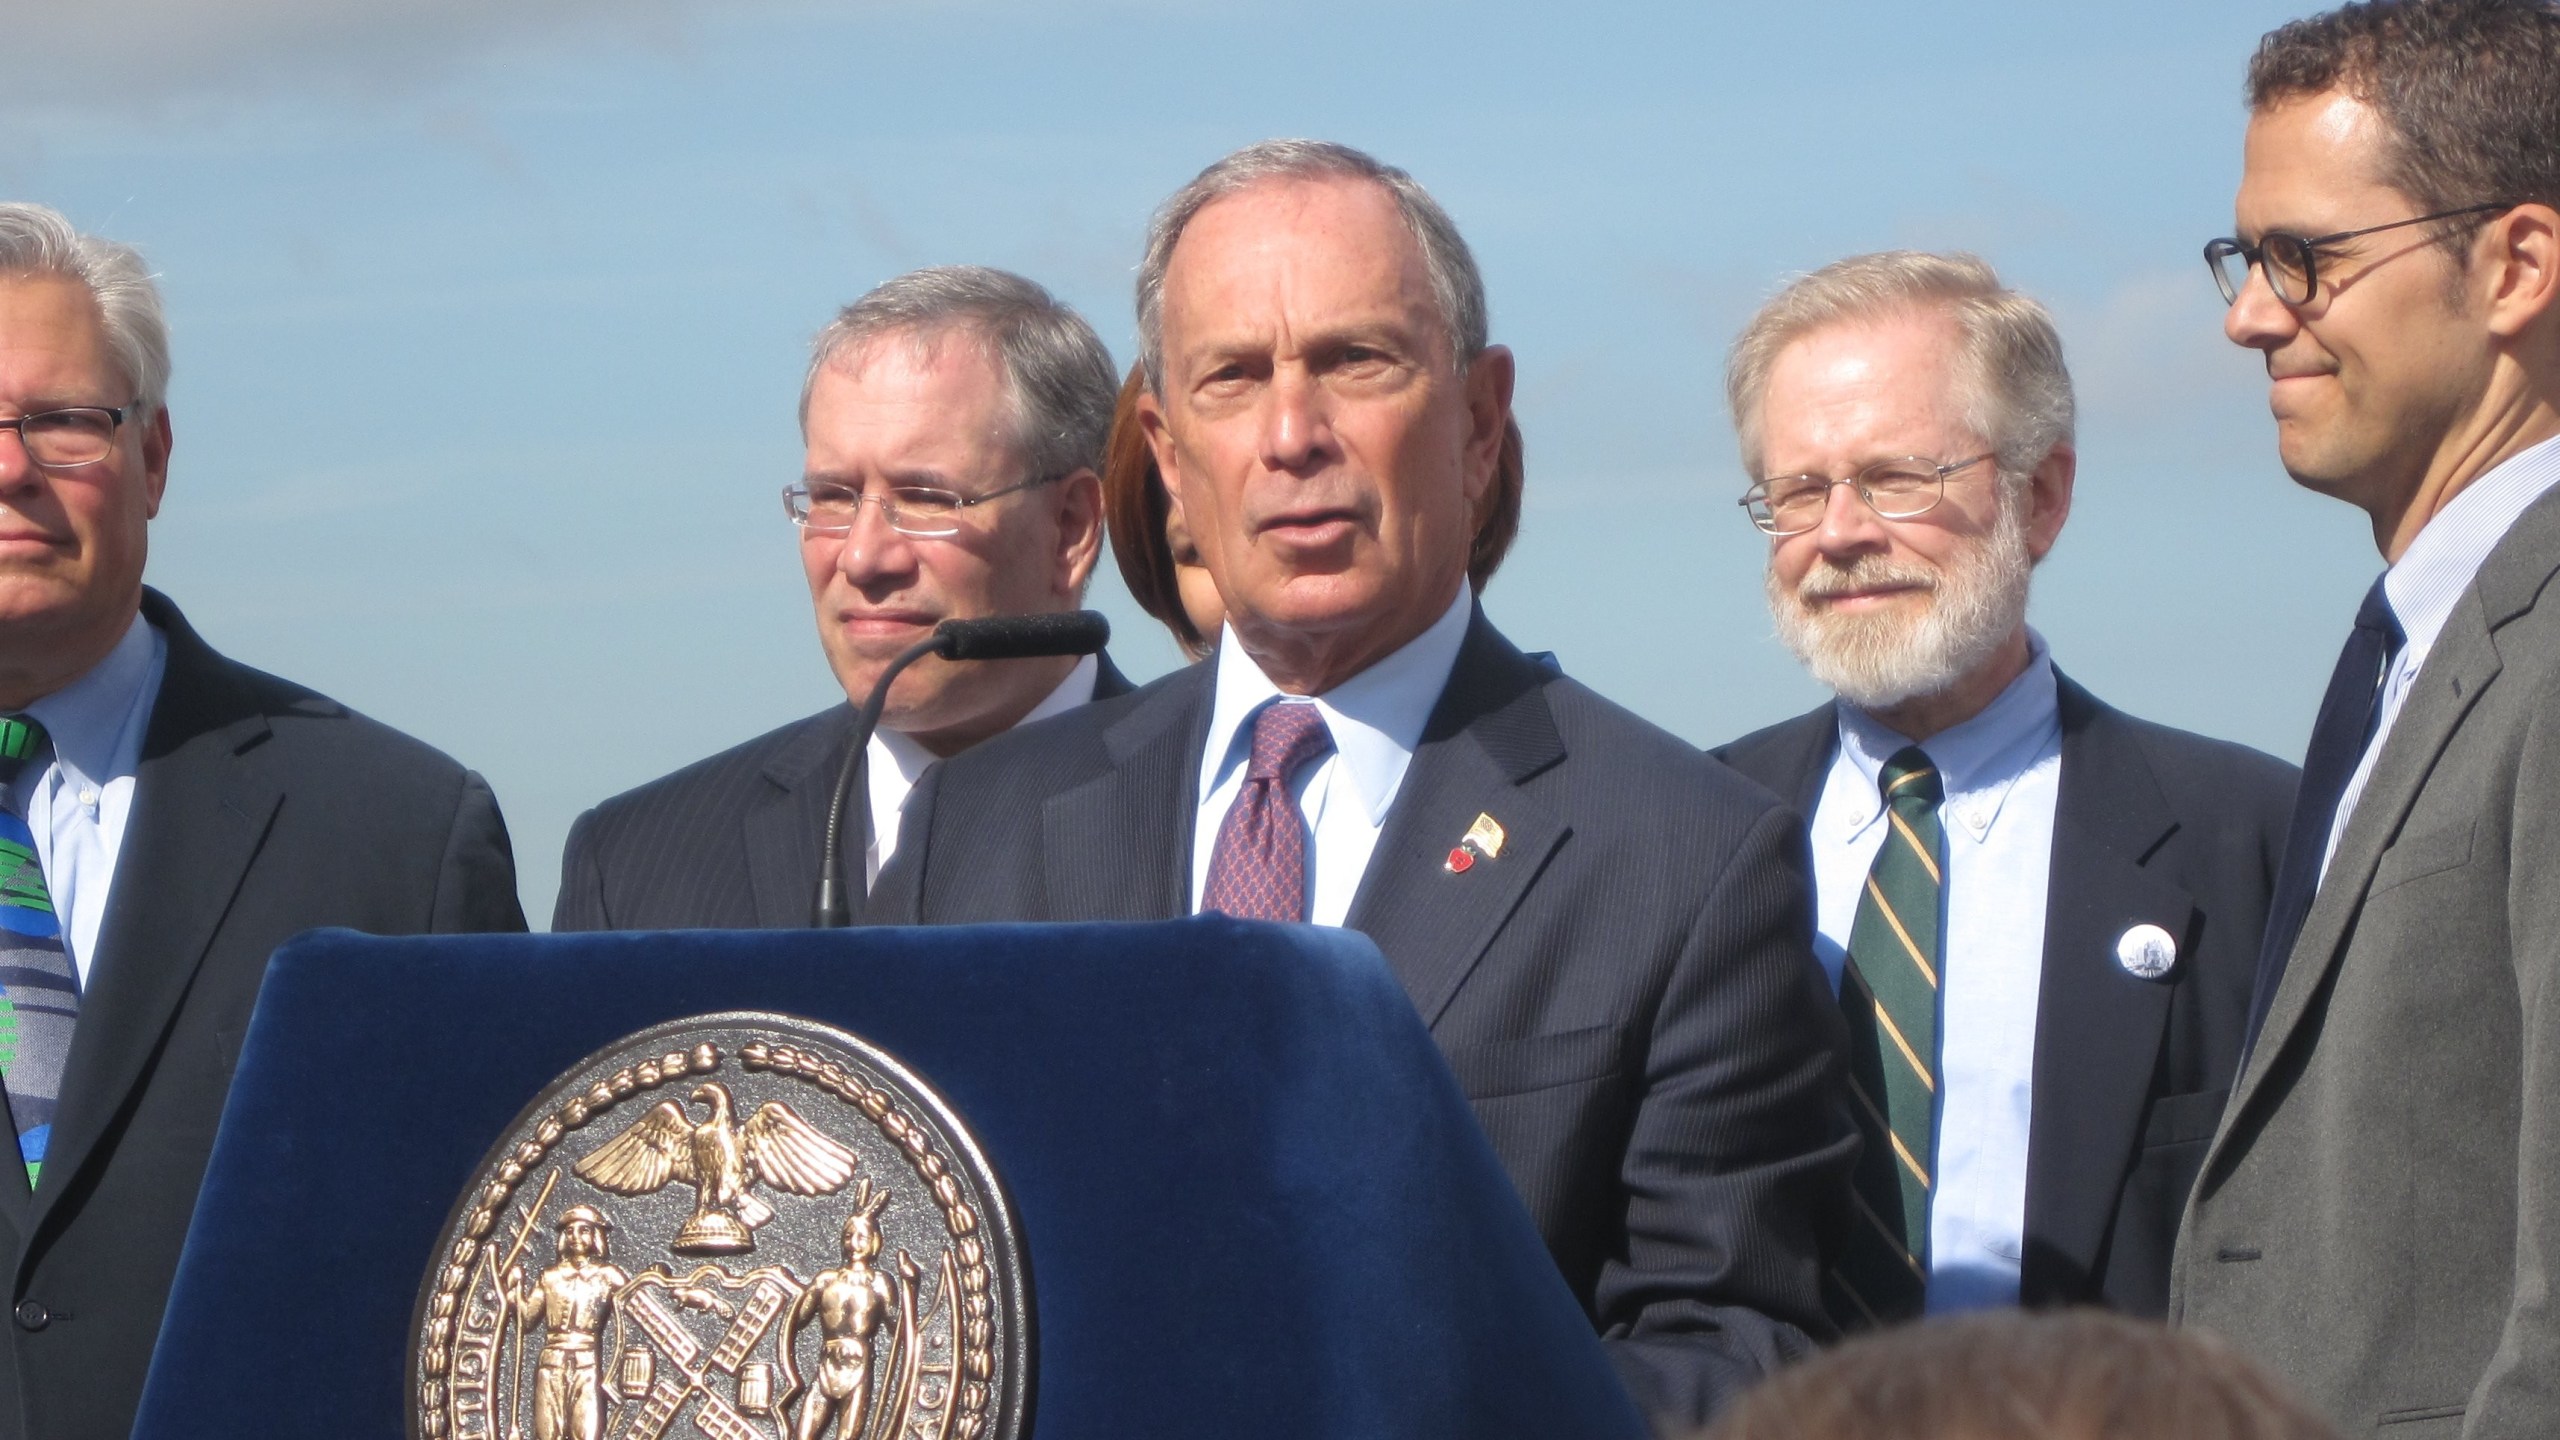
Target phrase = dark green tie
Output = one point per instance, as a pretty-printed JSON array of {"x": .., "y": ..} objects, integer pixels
[{"x": 1889, "y": 991}]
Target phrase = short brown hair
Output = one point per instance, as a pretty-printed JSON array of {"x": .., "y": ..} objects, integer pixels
[
  {"x": 2017, "y": 1375},
  {"x": 2469, "y": 91}
]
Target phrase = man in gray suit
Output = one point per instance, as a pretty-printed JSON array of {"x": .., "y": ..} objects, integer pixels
[
  {"x": 954, "y": 419},
  {"x": 2378, "y": 1215}
]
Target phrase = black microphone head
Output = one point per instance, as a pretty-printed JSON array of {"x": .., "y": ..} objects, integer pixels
[{"x": 1023, "y": 637}]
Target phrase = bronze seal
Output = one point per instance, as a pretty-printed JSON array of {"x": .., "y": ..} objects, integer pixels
[{"x": 749, "y": 1226}]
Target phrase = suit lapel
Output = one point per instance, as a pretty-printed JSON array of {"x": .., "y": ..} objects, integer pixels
[
  {"x": 1118, "y": 847},
  {"x": 2098, "y": 1028},
  {"x": 1490, "y": 731},
  {"x": 201, "y": 810},
  {"x": 1793, "y": 759},
  {"x": 784, "y": 832}
]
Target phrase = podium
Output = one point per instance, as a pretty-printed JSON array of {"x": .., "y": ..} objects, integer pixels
[{"x": 1251, "y": 1198}]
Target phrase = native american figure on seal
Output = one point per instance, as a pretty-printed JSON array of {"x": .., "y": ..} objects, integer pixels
[
  {"x": 851, "y": 1304},
  {"x": 720, "y": 1159}
]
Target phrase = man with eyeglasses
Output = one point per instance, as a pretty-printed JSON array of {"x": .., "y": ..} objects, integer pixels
[
  {"x": 1604, "y": 929},
  {"x": 2379, "y": 1215},
  {"x": 167, "y": 818},
  {"x": 2040, "y": 914},
  {"x": 954, "y": 420}
]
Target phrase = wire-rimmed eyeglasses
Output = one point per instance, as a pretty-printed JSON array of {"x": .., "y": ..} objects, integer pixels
[
  {"x": 925, "y": 512},
  {"x": 2291, "y": 261},
  {"x": 71, "y": 437},
  {"x": 1898, "y": 489}
]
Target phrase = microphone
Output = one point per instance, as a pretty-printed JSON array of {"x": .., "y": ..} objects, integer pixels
[{"x": 998, "y": 637}]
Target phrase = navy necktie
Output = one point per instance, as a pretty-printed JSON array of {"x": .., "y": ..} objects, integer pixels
[{"x": 2348, "y": 715}]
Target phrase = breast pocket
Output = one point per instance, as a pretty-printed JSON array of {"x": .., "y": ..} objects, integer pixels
[
  {"x": 2429, "y": 852},
  {"x": 1537, "y": 1062}
]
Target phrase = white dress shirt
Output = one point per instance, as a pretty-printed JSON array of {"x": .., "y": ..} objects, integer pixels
[
  {"x": 2429, "y": 581},
  {"x": 2001, "y": 771},
  {"x": 896, "y": 763},
  {"x": 1375, "y": 717},
  {"x": 77, "y": 804}
]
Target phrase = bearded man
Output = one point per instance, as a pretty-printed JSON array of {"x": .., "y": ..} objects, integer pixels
[{"x": 2041, "y": 914}]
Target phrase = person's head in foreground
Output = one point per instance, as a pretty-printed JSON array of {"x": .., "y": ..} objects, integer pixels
[{"x": 2025, "y": 1375}]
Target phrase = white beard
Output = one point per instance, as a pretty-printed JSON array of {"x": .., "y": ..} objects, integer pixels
[{"x": 1881, "y": 659}]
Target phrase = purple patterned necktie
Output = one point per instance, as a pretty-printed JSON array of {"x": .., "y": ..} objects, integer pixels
[{"x": 1259, "y": 870}]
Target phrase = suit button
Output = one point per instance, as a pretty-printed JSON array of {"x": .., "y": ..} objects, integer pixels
[{"x": 32, "y": 1316}]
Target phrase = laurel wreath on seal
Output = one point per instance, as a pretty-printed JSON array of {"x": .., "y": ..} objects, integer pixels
[{"x": 977, "y": 1361}]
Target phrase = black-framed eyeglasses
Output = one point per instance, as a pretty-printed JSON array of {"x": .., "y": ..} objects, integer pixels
[
  {"x": 2291, "y": 260},
  {"x": 68, "y": 438},
  {"x": 923, "y": 511},
  {"x": 1898, "y": 489}
]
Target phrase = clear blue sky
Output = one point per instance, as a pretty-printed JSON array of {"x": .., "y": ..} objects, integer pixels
[{"x": 490, "y": 315}]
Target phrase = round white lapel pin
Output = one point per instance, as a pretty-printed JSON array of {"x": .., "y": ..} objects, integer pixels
[{"x": 2146, "y": 952}]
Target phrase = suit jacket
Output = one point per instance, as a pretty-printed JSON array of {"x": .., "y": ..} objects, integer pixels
[
  {"x": 2379, "y": 1214},
  {"x": 259, "y": 810},
  {"x": 1627, "y": 994},
  {"x": 732, "y": 842},
  {"x": 2151, "y": 826}
]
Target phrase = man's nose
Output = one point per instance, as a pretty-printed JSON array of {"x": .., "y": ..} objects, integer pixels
[
  {"x": 1850, "y": 526},
  {"x": 2257, "y": 319},
  {"x": 873, "y": 550},
  {"x": 1296, "y": 429}
]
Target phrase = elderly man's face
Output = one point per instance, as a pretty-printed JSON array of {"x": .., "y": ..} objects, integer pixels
[
  {"x": 1882, "y": 610},
  {"x": 1327, "y": 455},
  {"x": 72, "y": 541},
  {"x": 896, "y": 415}
]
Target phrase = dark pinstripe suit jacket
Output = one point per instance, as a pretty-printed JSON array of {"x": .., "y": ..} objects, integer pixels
[
  {"x": 2152, "y": 826},
  {"x": 727, "y": 843},
  {"x": 1627, "y": 994}
]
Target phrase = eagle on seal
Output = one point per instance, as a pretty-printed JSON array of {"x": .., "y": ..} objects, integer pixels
[{"x": 720, "y": 1159}]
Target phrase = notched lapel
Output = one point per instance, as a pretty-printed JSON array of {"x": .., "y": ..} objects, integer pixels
[
  {"x": 1118, "y": 846},
  {"x": 1490, "y": 732},
  {"x": 202, "y": 809},
  {"x": 2098, "y": 1027},
  {"x": 784, "y": 832}
]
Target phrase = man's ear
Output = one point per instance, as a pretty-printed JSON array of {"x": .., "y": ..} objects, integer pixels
[
  {"x": 2520, "y": 255},
  {"x": 1079, "y": 531},
  {"x": 2049, "y": 498},
  {"x": 1489, "y": 382},
  {"x": 1154, "y": 424},
  {"x": 158, "y": 438}
]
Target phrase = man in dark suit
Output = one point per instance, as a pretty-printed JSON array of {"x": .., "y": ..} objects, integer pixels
[
  {"x": 1605, "y": 930},
  {"x": 2378, "y": 1217},
  {"x": 955, "y": 419},
  {"x": 227, "y": 810},
  {"x": 2075, "y": 904}
]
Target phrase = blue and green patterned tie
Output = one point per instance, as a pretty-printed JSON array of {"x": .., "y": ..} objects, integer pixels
[
  {"x": 1889, "y": 992},
  {"x": 39, "y": 994}
]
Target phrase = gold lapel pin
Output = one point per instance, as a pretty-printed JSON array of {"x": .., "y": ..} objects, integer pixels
[{"x": 1483, "y": 838}]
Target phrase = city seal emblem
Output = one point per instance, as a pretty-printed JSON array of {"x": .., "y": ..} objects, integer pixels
[{"x": 743, "y": 1226}]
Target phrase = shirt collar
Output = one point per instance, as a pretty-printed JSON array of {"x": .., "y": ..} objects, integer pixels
[
  {"x": 1980, "y": 760},
  {"x": 1375, "y": 717},
  {"x": 2440, "y": 563},
  {"x": 96, "y": 721}
]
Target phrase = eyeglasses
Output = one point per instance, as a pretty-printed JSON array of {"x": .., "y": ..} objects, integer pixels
[
  {"x": 1895, "y": 489},
  {"x": 69, "y": 438},
  {"x": 921, "y": 511},
  {"x": 2288, "y": 259}
]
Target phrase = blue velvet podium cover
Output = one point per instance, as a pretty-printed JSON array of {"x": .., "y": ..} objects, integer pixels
[{"x": 1255, "y": 1202}]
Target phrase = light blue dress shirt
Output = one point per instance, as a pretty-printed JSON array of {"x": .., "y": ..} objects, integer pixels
[
  {"x": 2430, "y": 580},
  {"x": 1376, "y": 719},
  {"x": 77, "y": 805},
  {"x": 2002, "y": 771}
]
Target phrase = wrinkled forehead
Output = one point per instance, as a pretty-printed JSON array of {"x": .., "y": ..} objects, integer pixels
[
  {"x": 1295, "y": 253},
  {"x": 1886, "y": 382}
]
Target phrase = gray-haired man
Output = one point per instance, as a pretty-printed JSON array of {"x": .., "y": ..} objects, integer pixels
[{"x": 954, "y": 419}]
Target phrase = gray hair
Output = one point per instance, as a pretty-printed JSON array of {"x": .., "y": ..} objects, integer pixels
[
  {"x": 1457, "y": 286},
  {"x": 2009, "y": 371},
  {"x": 36, "y": 240},
  {"x": 1059, "y": 379}
]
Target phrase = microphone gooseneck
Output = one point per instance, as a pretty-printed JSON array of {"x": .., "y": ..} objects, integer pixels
[{"x": 1001, "y": 637}]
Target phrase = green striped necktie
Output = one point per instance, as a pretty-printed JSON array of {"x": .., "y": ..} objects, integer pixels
[
  {"x": 39, "y": 993},
  {"x": 1889, "y": 992}
]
